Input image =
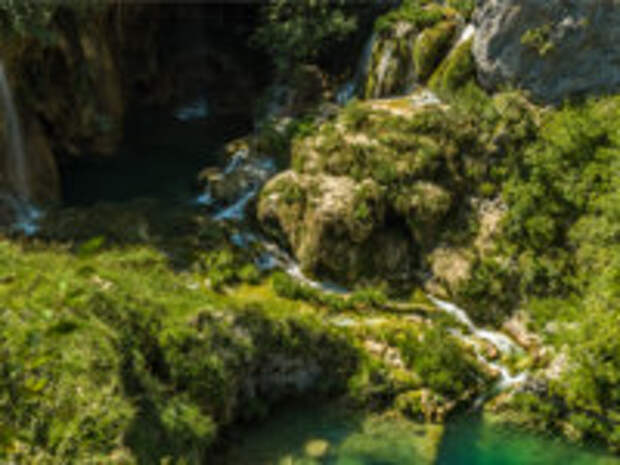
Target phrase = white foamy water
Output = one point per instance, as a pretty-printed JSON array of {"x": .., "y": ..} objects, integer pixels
[
  {"x": 467, "y": 34},
  {"x": 382, "y": 67},
  {"x": 274, "y": 256},
  {"x": 236, "y": 211},
  {"x": 500, "y": 341}
]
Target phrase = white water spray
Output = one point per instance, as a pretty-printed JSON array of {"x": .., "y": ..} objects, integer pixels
[{"x": 467, "y": 34}]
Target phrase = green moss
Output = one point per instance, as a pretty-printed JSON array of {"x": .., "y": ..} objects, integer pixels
[
  {"x": 419, "y": 13},
  {"x": 431, "y": 46},
  {"x": 112, "y": 349},
  {"x": 464, "y": 7},
  {"x": 539, "y": 39},
  {"x": 454, "y": 71}
]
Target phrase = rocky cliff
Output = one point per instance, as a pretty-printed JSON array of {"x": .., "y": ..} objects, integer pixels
[{"x": 554, "y": 48}]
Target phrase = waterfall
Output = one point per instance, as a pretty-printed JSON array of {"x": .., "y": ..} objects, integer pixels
[
  {"x": 17, "y": 168},
  {"x": 350, "y": 88},
  {"x": 26, "y": 214}
]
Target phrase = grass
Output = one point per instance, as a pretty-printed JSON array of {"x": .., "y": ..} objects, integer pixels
[{"x": 103, "y": 352}]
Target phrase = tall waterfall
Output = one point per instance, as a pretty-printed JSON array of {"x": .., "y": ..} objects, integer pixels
[
  {"x": 17, "y": 168},
  {"x": 20, "y": 196}
]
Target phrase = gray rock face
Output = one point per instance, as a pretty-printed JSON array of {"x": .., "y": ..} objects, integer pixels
[{"x": 553, "y": 48}]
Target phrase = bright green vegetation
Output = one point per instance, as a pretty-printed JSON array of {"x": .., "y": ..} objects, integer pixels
[
  {"x": 111, "y": 357},
  {"x": 108, "y": 355},
  {"x": 561, "y": 240},
  {"x": 454, "y": 72},
  {"x": 420, "y": 13},
  {"x": 431, "y": 46}
]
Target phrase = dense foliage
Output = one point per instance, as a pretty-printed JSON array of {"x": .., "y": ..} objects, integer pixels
[
  {"x": 114, "y": 352},
  {"x": 312, "y": 31},
  {"x": 103, "y": 352}
]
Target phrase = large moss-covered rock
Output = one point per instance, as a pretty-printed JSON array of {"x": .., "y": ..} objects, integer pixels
[
  {"x": 336, "y": 226},
  {"x": 409, "y": 44},
  {"x": 553, "y": 48},
  {"x": 367, "y": 194},
  {"x": 395, "y": 189}
]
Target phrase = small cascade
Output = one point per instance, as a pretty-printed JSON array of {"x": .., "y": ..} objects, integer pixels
[
  {"x": 382, "y": 68},
  {"x": 350, "y": 88},
  {"x": 503, "y": 343},
  {"x": 26, "y": 215},
  {"x": 467, "y": 34},
  {"x": 250, "y": 173},
  {"x": 274, "y": 256}
]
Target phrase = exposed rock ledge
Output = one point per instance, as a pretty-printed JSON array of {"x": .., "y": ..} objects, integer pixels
[{"x": 553, "y": 48}]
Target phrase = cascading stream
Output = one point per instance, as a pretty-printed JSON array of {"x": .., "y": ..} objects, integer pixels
[{"x": 273, "y": 256}]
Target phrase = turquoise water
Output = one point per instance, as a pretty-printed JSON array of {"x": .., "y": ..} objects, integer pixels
[{"x": 305, "y": 435}]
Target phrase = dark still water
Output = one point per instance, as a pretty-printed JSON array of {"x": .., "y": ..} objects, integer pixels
[{"x": 159, "y": 158}]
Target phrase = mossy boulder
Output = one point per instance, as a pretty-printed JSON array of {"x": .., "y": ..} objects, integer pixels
[
  {"x": 335, "y": 225},
  {"x": 406, "y": 169},
  {"x": 431, "y": 46},
  {"x": 454, "y": 71},
  {"x": 410, "y": 43},
  {"x": 362, "y": 199}
]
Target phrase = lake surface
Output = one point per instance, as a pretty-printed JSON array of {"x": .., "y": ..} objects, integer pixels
[{"x": 306, "y": 435}]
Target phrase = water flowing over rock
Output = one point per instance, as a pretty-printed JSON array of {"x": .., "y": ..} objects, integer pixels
[
  {"x": 16, "y": 163},
  {"x": 352, "y": 87},
  {"x": 23, "y": 167},
  {"x": 498, "y": 340},
  {"x": 554, "y": 48}
]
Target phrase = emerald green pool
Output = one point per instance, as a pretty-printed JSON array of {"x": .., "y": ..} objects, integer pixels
[{"x": 305, "y": 435}]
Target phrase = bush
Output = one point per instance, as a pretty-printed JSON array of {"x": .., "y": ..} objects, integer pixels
[{"x": 439, "y": 360}]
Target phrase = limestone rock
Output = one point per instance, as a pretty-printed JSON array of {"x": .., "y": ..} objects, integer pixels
[
  {"x": 553, "y": 48},
  {"x": 335, "y": 226}
]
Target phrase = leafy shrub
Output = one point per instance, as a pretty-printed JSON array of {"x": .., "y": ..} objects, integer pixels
[{"x": 439, "y": 361}]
